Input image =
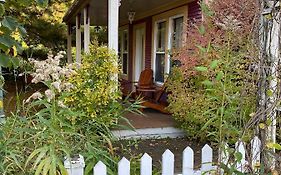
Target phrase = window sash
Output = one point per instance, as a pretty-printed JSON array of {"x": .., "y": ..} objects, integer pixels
[{"x": 123, "y": 53}]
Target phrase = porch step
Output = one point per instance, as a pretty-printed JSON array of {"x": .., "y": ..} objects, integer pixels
[{"x": 149, "y": 133}]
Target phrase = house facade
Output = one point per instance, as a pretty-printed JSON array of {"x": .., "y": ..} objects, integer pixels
[{"x": 143, "y": 32}]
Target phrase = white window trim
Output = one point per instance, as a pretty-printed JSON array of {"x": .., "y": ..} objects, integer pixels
[
  {"x": 121, "y": 32},
  {"x": 155, "y": 50},
  {"x": 168, "y": 45},
  {"x": 170, "y": 32}
]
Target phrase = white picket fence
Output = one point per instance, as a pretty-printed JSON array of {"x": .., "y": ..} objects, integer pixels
[{"x": 168, "y": 159}]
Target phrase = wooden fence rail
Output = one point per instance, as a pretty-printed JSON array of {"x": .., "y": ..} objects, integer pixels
[{"x": 168, "y": 161}]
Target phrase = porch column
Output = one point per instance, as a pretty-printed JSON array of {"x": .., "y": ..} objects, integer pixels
[
  {"x": 69, "y": 44},
  {"x": 78, "y": 38},
  {"x": 86, "y": 29},
  {"x": 113, "y": 21}
]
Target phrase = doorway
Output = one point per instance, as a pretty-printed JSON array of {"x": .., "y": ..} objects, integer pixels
[{"x": 139, "y": 51}]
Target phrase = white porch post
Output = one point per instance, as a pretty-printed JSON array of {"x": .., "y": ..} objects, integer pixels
[
  {"x": 78, "y": 38},
  {"x": 86, "y": 29},
  {"x": 69, "y": 44},
  {"x": 113, "y": 21}
]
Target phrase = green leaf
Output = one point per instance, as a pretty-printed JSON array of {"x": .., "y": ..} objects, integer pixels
[
  {"x": 39, "y": 168},
  {"x": 201, "y": 69},
  {"x": 219, "y": 76},
  {"x": 15, "y": 62},
  {"x": 238, "y": 156},
  {"x": 209, "y": 123},
  {"x": 7, "y": 41},
  {"x": 274, "y": 146},
  {"x": 208, "y": 83},
  {"x": 47, "y": 167},
  {"x": 269, "y": 93},
  {"x": 214, "y": 64},
  {"x": 10, "y": 23},
  {"x": 40, "y": 157},
  {"x": 22, "y": 30},
  {"x": 205, "y": 9},
  {"x": 4, "y": 60},
  {"x": 202, "y": 30},
  {"x": 42, "y": 3},
  {"x": 32, "y": 155},
  {"x": 62, "y": 168},
  {"x": 202, "y": 49},
  {"x": 2, "y": 10}
]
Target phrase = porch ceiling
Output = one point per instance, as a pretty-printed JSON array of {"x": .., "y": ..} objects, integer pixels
[{"x": 98, "y": 9}]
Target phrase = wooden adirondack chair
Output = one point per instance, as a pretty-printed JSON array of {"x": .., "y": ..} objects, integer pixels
[
  {"x": 153, "y": 101},
  {"x": 150, "y": 93},
  {"x": 145, "y": 80}
]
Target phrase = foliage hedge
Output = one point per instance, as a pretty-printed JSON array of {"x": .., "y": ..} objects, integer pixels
[{"x": 214, "y": 89}]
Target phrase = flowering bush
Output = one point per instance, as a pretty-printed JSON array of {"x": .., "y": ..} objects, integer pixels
[
  {"x": 73, "y": 116},
  {"x": 213, "y": 92},
  {"x": 94, "y": 90}
]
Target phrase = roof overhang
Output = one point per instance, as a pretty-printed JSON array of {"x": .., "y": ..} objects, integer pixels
[{"x": 98, "y": 9}]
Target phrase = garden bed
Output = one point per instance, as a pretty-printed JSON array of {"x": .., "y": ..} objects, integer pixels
[{"x": 156, "y": 147}]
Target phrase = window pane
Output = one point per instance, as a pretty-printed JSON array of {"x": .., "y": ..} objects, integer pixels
[
  {"x": 125, "y": 41},
  {"x": 119, "y": 43},
  {"x": 177, "y": 34},
  {"x": 125, "y": 63},
  {"x": 161, "y": 33},
  {"x": 159, "y": 67}
]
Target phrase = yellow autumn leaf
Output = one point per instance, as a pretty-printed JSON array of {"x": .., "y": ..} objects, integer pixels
[
  {"x": 262, "y": 125},
  {"x": 15, "y": 53},
  {"x": 16, "y": 35}
]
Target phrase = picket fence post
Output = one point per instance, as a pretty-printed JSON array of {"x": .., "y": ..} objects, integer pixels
[
  {"x": 146, "y": 165},
  {"x": 256, "y": 152},
  {"x": 207, "y": 159},
  {"x": 188, "y": 162},
  {"x": 124, "y": 167},
  {"x": 224, "y": 154},
  {"x": 240, "y": 148},
  {"x": 100, "y": 168},
  {"x": 168, "y": 160},
  {"x": 75, "y": 166}
]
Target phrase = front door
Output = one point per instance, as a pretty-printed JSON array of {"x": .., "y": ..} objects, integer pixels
[{"x": 139, "y": 51}]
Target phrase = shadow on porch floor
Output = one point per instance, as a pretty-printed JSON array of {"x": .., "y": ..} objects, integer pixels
[
  {"x": 152, "y": 124},
  {"x": 150, "y": 119}
]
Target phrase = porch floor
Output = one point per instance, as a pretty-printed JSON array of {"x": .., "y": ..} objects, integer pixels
[
  {"x": 150, "y": 119},
  {"x": 152, "y": 124}
]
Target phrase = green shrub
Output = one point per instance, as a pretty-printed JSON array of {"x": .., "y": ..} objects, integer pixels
[
  {"x": 213, "y": 92},
  {"x": 95, "y": 91}
]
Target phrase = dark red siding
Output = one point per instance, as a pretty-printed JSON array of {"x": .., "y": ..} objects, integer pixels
[
  {"x": 194, "y": 11},
  {"x": 148, "y": 42}
]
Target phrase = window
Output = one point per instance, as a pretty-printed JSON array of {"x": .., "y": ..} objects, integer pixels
[
  {"x": 123, "y": 50},
  {"x": 160, "y": 52},
  {"x": 170, "y": 28},
  {"x": 177, "y": 32}
]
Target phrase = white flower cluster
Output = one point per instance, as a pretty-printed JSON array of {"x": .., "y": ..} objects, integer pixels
[
  {"x": 34, "y": 96},
  {"x": 49, "y": 70},
  {"x": 230, "y": 23}
]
